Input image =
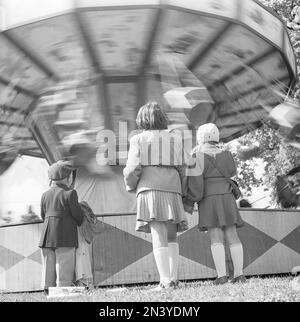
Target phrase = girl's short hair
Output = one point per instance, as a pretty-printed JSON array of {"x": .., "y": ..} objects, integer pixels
[{"x": 151, "y": 117}]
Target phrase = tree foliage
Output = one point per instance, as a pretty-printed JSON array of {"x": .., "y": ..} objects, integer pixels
[
  {"x": 275, "y": 154},
  {"x": 277, "y": 158},
  {"x": 284, "y": 9}
]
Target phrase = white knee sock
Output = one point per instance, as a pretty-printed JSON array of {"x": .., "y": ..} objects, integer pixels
[
  {"x": 173, "y": 260},
  {"x": 161, "y": 256},
  {"x": 218, "y": 254},
  {"x": 237, "y": 255}
]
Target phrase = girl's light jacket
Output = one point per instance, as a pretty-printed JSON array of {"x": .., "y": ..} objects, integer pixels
[{"x": 155, "y": 162}]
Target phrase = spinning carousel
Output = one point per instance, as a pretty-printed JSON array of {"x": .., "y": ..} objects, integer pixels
[
  {"x": 79, "y": 67},
  {"x": 71, "y": 70}
]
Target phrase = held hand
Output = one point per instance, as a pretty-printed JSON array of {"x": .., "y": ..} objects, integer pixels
[{"x": 188, "y": 209}]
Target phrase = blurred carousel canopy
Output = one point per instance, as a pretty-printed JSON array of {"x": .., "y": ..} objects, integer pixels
[{"x": 68, "y": 67}]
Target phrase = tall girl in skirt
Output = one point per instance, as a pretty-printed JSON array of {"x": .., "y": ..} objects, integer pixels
[
  {"x": 154, "y": 171},
  {"x": 218, "y": 212}
]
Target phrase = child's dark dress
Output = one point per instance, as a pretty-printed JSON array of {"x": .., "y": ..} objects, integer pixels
[{"x": 206, "y": 186}]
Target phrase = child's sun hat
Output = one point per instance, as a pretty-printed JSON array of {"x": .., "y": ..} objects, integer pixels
[
  {"x": 60, "y": 170},
  {"x": 208, "y": 133}
]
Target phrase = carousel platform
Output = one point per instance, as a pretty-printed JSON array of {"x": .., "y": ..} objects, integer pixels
[{"x": 122, "y": 256}]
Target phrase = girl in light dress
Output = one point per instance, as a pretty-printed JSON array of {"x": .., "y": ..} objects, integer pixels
[{"x": 154, "y": 171}]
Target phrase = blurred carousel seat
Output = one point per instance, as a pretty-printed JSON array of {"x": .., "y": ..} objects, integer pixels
[
  {"x": 44, "y": 108},
  {"x": 54, "y": 99},
  {"x": 286, "y": 114},
  {"x": 72, "y": 115},
  {"x": 287, "y": 118},
  {"x": 195, "y": 102},
  {"x": 248, "y": 152},
  {"x": 83, "y": 155},
  {"x": 83, "y": 152},
  {"x": 51, "y": 99},
  {"x": 79, "y": 147}
]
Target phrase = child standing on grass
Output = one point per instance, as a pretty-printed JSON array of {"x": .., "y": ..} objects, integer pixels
[
  {"x": 218, "y": 213},
  {"x": 61, "y": 214},
  {"x": 154, "y": 171}
]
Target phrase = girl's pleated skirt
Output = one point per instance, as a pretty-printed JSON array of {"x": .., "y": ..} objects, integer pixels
[
  {"x": 218, "y": 211},
  {"x": 154, "y": 205}
]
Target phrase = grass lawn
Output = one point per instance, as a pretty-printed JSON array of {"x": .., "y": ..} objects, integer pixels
[{"x": 255, "y": 289}]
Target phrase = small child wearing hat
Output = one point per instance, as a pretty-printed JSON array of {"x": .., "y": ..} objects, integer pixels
[
  {"x": 61, "y": 214},
  {"x": 218, "y": 213}
]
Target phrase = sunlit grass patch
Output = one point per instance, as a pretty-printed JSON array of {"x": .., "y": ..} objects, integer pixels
[{"x": 254, "y": 290}]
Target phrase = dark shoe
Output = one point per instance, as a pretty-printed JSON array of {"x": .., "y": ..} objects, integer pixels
[
  {"x": 46, "y": 291},
  {"x": 82, "y": 283},
  {"x": 220, "y": 280},
  {"x": 175, "y": 284},
  {"x": 239, "y": 279}
]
